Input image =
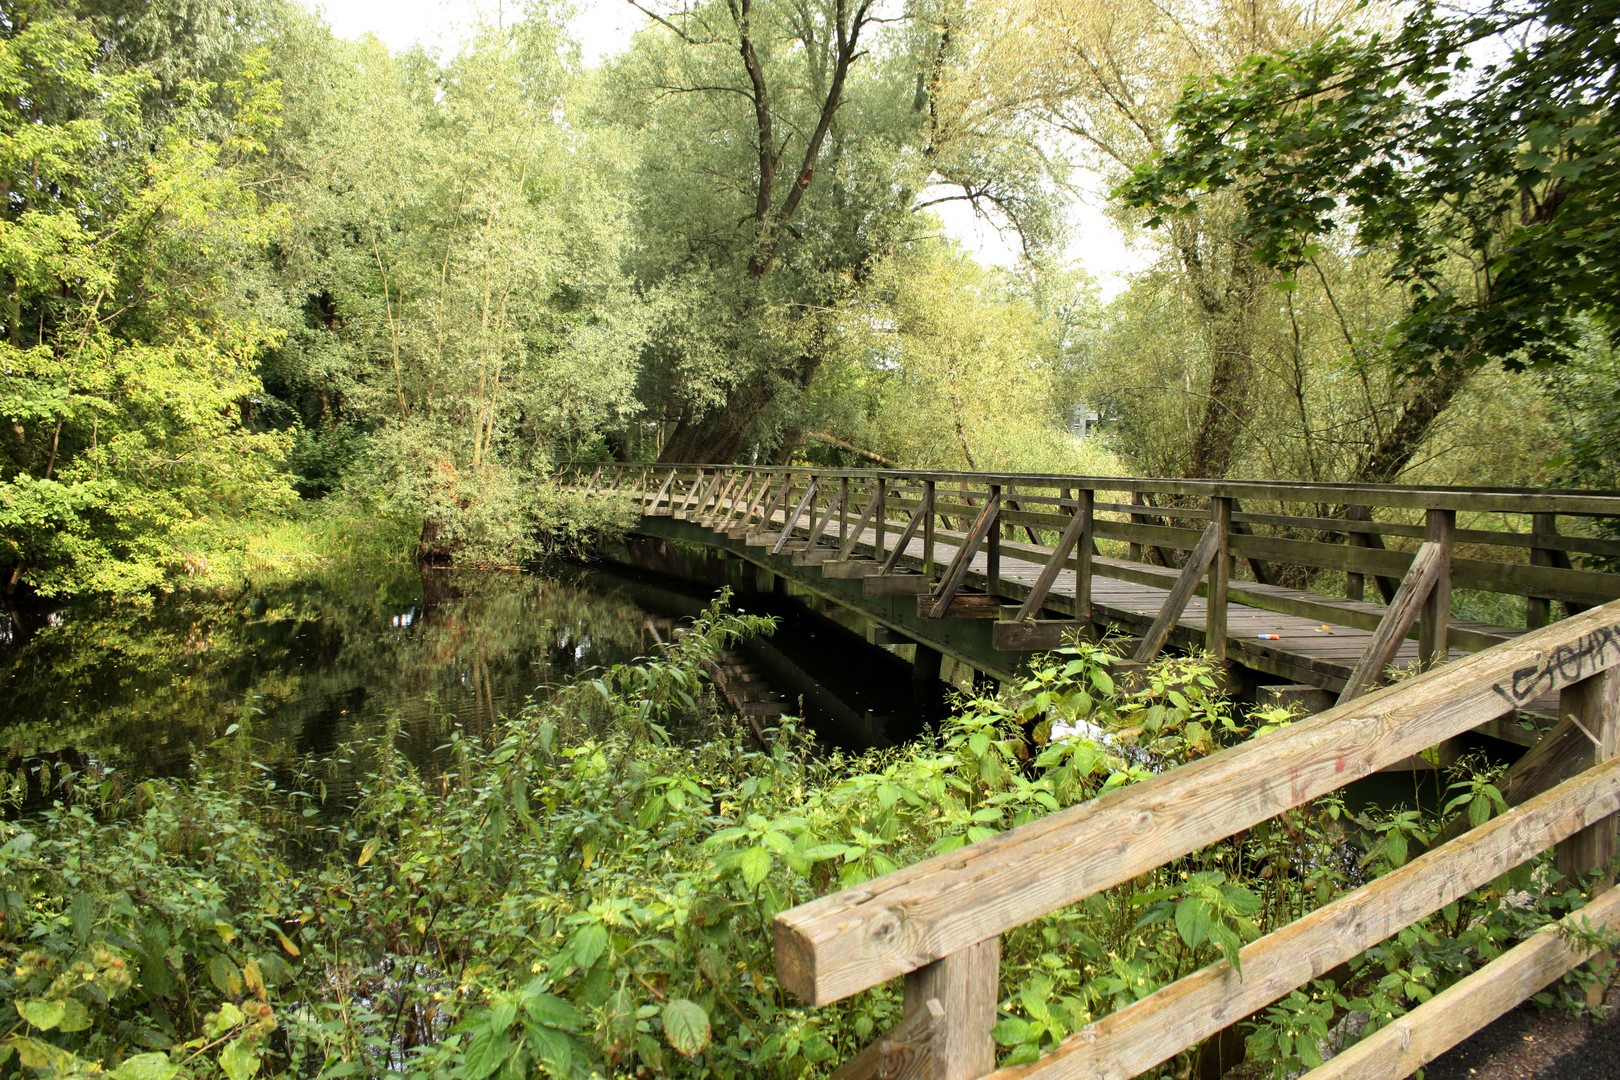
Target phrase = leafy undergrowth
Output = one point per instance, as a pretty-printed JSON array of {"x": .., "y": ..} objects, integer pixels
[{"x": 585, "y": 895}]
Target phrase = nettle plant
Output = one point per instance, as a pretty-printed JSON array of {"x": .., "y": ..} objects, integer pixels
[{"x": 589, "y": 891}]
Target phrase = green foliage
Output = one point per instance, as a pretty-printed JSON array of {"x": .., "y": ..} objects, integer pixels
[
  {"x": 126, "y": 359},
  {"x": 590, "y": 890},
  {"x": 1490, "y": 187}
]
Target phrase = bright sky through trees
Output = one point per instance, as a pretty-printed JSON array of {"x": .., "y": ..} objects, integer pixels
[{"x": 603, "y": 27}]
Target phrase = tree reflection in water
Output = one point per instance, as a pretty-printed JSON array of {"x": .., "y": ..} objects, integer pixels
[{"x": 299, "y": 669}]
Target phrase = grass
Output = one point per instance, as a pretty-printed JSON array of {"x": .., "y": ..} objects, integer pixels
[{"x": 310, "y": 537}]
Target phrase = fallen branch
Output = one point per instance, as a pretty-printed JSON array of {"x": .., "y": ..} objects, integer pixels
[{"x": 833, "y": 440}]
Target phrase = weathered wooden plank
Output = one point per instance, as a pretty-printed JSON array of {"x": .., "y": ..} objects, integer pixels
[
  {"x": 1522, "y": 579},
  {"x": 1548, "y": 539},
  {"x": 849, "y": 569},
  {"x": 1360, "y": 560},
  {"x": 1161, "y": 536},
  {"x": 1369, "y": 671},
  {"x": 848, "y": 941},
  {"x": 1159, "y": 1026},
  {"x": 1180, "y": 593},
  {"x": 969, "y": 606},
  {"x": 1409, "y": 1042},
  {"x": 911, "y": 1050},
  {"x": 1035, "y": 635},
  {"x": 1504, "y": 500},
  {"x": 967, "y": 983},
  {"x": 897, "y": 585}
]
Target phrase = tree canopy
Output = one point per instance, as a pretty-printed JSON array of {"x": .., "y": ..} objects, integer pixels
[{"x": 245, "y": 261}]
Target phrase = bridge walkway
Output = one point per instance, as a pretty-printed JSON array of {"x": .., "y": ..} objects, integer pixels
[{"x": 1191, "y": 563}]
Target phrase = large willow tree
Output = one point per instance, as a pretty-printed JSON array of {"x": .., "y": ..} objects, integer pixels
[{"x": 782, "y": 152}]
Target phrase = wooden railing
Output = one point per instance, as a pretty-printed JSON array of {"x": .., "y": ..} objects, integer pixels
[
  {"x": 938, "y": 923},
  {"x": 1260, "y": 544}
]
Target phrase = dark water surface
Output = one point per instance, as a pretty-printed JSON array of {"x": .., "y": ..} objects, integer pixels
[{"x": 302, "y": 669}]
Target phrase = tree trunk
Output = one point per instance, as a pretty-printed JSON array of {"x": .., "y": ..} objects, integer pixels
[
  {"x": 1431, "y": 397},
  {"x": 715, "y": 439},
  {"x": 1227, "y": 305}
]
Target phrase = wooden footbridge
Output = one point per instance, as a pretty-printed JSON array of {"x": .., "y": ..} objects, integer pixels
[{"x": 1237, "y": 568}]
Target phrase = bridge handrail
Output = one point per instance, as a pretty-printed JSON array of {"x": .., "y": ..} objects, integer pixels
[
  {"x": 1336, "y": 532},
  {"x": 1404, "y": 496},
  {"x": 938, "y": 922}
]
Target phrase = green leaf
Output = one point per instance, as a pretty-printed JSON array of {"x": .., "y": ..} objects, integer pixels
[
  {"x": 686, "y": 1026},
  {"x": 146, "y": 1067},
  {"x": 1011, "y": 1030},
  {"x": 755, "y": 863},
  {"x": 1192, "y": 921},
  {"x": 553, "y": 1011},
  {"x": 485, "y": 1053},
  {"x": 42, "y": 1014},
  {"x": 501, "y": 1014},
  {"x": 551, "y": 1046},
  {"x": 589, "y": 943},
  {"x": 75, "y": 1017},
  {"x": 237, "y": 1060},
  {"x": 225, "y": 975}
]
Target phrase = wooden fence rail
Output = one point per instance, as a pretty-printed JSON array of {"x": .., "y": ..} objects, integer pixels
[{"x": 937, "y": 922}]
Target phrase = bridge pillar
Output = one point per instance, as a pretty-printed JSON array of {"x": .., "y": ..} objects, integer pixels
[{"x": 927, "y": 691}]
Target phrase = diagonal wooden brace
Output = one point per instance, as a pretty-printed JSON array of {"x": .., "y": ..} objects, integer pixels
[
  {"x": 906, "y": 536},
  {"x": 860, "y": 527},
  {"x": 1403, "y": 611},
  {"x": 793, "y": 519},
  {"x": 1077, "y": 531},
  {"x": 1181, "y": 592},
  {"x": 663, "y": 490},
  {"x": 833, "y": 507},
  {"x": 957, "y": 572}
]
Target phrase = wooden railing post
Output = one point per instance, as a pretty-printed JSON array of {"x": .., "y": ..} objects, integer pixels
[
  {"x": 1538, "y": 609},
  {"x": 1594, "y": 704},
  {"x": 1433, "y": 647},
  {"x": 1136, "y": 519},
  {"x": 1220, "y": 568},
  {"x": 881, "y": 514},
  {"x": 992, "y": 546},
  {"x": 843, "y": 511},
  {"x": 1085, "y": 510},
  {"x": 928, "y": 528},
  {"x": 968, "y": 985}
]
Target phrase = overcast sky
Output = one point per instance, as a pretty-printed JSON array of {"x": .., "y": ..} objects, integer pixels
[{"x": 603, "y": 27}]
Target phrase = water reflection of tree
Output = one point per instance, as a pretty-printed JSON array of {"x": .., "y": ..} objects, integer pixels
[{"x": 302, "y": 669}]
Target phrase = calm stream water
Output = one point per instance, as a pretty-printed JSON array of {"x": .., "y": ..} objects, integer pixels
[{"x": 304, "y": 668}]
